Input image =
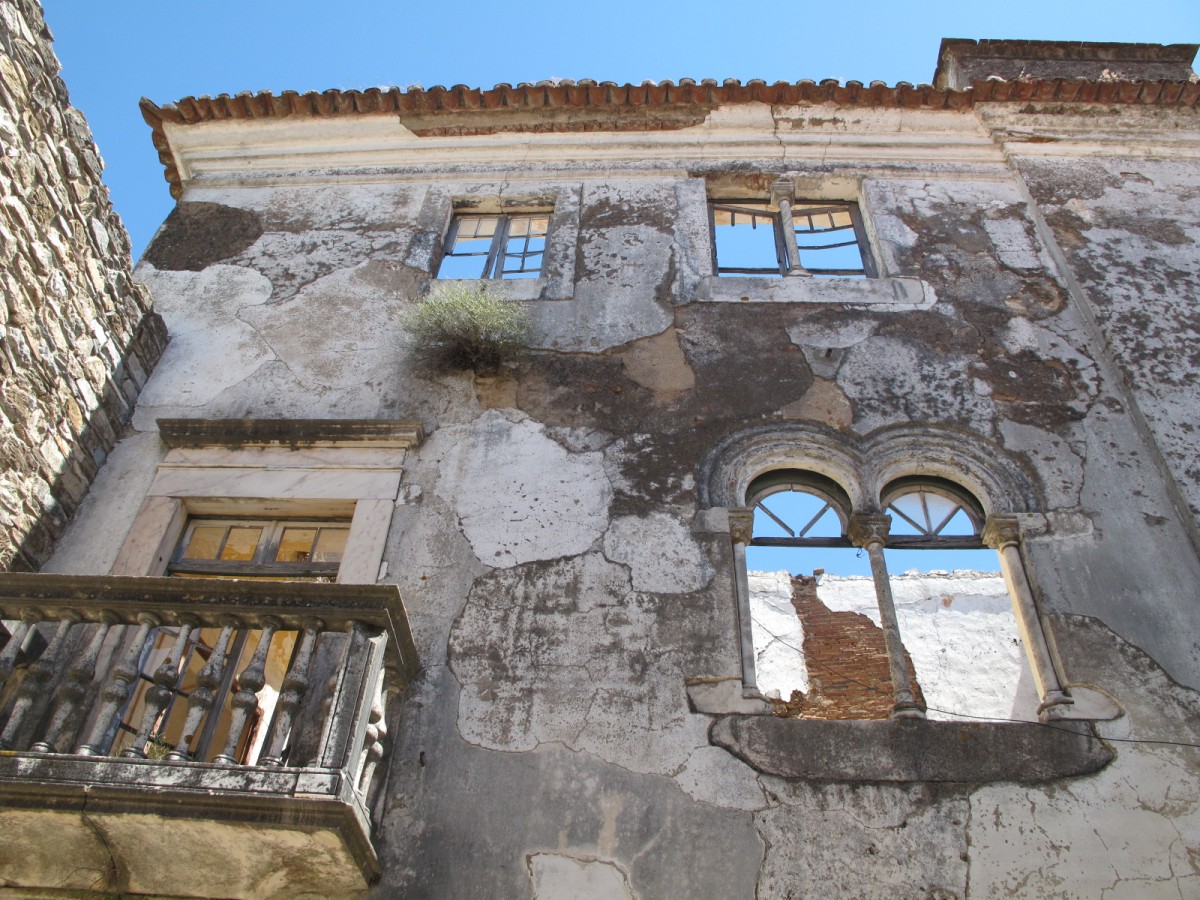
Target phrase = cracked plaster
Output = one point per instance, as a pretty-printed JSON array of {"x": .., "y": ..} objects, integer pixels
[
  {"x": 568, "y": 652},
  {"x": 212, "y": 346},
  {"x": 662, "y": 556}
]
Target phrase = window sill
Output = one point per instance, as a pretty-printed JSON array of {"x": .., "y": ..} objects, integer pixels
[
  {"x": 508, "y": 288},
  {"x": 890, "y": 293},
  {"x": 908, "y": 750}
]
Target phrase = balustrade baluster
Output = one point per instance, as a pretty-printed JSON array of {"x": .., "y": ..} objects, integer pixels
[
  {"x": 375, "y": 737},
  {"x": 250, "y": 682},
  {"x": 16, "y": 642},
  {"x": 115, "y": 694},
  {"x": 32, "y": 696},
  {"x": 75, "y": 686},
  {"x": 166, "y": 681},
  {"x": 295, "y": 685},
  {"x": 205, "y": 694}
]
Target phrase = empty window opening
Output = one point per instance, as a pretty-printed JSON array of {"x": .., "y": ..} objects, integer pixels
[
  {"x": 750, "y": 238},
  {"x": 830, "y": 239},
  {"x": 747, "y": 240},
  {"x": 511, "y": 245}
]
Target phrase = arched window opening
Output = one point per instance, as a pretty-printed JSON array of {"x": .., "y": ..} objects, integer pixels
[
  {"x": 814, "y": 660},
  {"x": 953, "y": 607}
]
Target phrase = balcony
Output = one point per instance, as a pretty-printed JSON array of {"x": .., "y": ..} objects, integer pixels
[{"x": 193, "y": 737}]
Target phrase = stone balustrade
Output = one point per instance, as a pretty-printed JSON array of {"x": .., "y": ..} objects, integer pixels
[{"x": 270, "y": 694}]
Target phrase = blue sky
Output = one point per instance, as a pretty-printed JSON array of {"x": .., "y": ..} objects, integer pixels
[{"x": 115, "y": 52}]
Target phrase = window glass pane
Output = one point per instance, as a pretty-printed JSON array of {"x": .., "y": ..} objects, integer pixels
[
  {"x": 241, "y": 543},
  {"x": 296, "y": 545},
  {"x": 331, "y": 544},
  {"x": 477, "y": 226},
  {"x": 205, "y": 542}
]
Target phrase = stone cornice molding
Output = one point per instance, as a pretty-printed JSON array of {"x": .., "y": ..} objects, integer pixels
[{"x": 294, "y": 433}]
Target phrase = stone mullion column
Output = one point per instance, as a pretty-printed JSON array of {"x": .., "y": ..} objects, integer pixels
[
  {"x": 783, "y": 192},
  {"x": 741, "y": 530},
  {"x": 1003, "y": 534},
  {"x": 870, "y": 533}
]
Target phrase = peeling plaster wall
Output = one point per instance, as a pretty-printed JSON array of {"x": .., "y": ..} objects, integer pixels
[{"x": 569, "y": 598}]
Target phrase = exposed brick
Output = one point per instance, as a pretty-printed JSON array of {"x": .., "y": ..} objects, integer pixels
[{"x": 847, "y": 662}]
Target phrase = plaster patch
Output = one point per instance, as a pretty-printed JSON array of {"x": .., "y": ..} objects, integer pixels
[
  {"x": 521, "y": 496},
  {"x": 1058, "y": 464},
  {"x": 917, "y": 835},
  {"x": 556, "y": 876},
  {"x": 824, "y": 402},
  {"x": 565, "y": 651},
  {"x": 713, "y": 776},
  {"x": 212, "y": 347},
  {"x": 307, "y": 332},
  {"x": 658, "y": 363},
  {"x": 890, "y": 380},
  {"x": 1012, "y": 242},
  {"x": 661, "y": 554}
]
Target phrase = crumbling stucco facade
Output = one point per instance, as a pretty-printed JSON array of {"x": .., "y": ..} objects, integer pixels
[{"x": 565, "y": 538}]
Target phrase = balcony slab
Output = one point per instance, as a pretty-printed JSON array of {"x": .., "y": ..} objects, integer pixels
[{"x": 179, "y": 829}]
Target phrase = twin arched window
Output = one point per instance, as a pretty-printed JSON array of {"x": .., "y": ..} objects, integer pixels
[{"x": 952, "y": 659}]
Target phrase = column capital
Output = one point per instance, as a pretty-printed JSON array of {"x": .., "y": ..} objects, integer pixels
[
  {"x": 741, "y": 524},
  {"x": 1001, "y": 530},
  {"x": 782, "y": 189},
  {"x": 865, "y": 530}
]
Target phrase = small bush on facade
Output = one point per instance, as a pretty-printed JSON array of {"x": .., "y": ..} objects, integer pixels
[{"x": 468, "y": 327}]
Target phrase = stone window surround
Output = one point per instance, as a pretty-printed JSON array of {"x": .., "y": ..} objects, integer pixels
[
  {"x": 902, "y": 748},
  {"x": 879, "y": 289},
  {"x": 274, "y": 467},
  {"x": 557, "y": 281}
]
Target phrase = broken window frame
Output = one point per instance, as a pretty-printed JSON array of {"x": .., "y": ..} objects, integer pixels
[
  {"x": 802, "y": 481},
  {"x": 931, "y": 535},
  {"x": 264, "y": 563},
  {"x": 498, "y": 253},
  {"x": 783, "y": 217}
]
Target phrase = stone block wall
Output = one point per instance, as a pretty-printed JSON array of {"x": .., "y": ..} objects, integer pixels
[{"x": 77, "y": 336}]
